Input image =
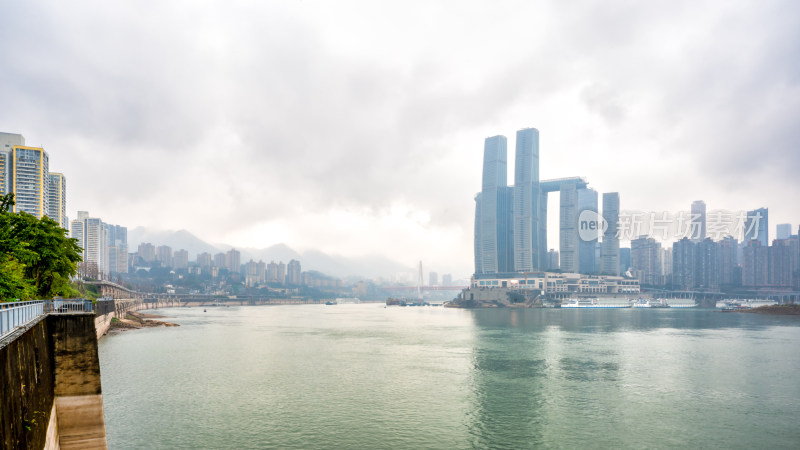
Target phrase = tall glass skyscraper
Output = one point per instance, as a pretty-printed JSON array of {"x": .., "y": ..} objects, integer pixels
[
  {"x": 610, "y": 252},
  {"x": 587, "y": 261},
  {"x": 492, "y": 209},
  {"x": 526, "y": 201}
]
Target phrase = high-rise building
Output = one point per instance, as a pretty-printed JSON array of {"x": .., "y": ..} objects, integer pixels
[
  {"x": 272, "y": 272},
  {"x": 281, "y": 273},
  {"x": 698, "y": 221},
  {"x": 527, "y": 196},
  {"x": 117, "y": 246},
  {"x": 568, "y": 236},
  {"x": 696, "y": 265},
  {"x": 783, "y": 231},
  {"x": 433, "y": 279},
  {"x": 99, "y": 257},
  {"x": 646, "y": 261},
  {"x": 610, "y": 252},
  {"x": 625, "y": 259},
  {"x": 233, "y": 260},
  {"x": 587, "y": 237},
  {"x": 492, "y": 210},
  {"x": 261, "y": 271},
  {"x": 164, "y": 255},
  {"x": 707, "y": 265},
  {"x": 447, "y": 280},
  {"x": 147, "y": 252},
  {"x": 76, "y": 232},
  {"x": 204, "y": 259},
  {"x": 219, "y": 260},
  {"x": 553, "y": 260},
  {"x": 180, "y": 259},
  {"x": 727, "y": 262},
  {"x": 7, "y": 143},
  {"x": 755, "y": 259},
  {"x": 294, "y": 276},
  {"x": 29, "y": 180},
  {"x": 57, "y": 203},
  {"x": 122, "y": 257},
  {"x": 666, "y": 262},
  {"x": 757, "y": 226},
  {"x": 95, "y": 250},
  {"x": 683, "y": 264}
]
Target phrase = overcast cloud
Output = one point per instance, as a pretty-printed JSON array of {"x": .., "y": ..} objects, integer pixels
[{"x": 357, "y": 127}]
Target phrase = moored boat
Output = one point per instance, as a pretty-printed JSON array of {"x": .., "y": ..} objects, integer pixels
[{"x": 591, "y": 303}]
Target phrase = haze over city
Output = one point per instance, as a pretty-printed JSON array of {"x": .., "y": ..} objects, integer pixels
[{"x": 357, "y": 128}]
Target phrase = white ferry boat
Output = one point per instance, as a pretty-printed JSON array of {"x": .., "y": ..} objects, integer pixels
[
  {"x": 650, "y": 303},
  {"x": 591, "y": 303}
]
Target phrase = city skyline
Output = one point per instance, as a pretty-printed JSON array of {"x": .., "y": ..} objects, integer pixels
[{"x": 353, "y": 145}]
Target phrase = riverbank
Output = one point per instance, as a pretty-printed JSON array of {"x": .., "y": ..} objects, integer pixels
[
  {"x": 775, "y": 310},
  {"x": 137, "y": 320}
]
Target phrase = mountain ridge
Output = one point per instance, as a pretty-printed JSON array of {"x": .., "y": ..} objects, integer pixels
[{"x": 368, "y": 266}]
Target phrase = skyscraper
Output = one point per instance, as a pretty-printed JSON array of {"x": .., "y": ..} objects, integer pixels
[
  {"x": 29, "y": 180},
  {"x": 7, "y": 143},
  {"x": 58, "y": 198},
  {"x": 587, "y": 238},
  {"x": 526, "y": 201},
  {"x": 783, "y": 230},
  {"x": 493, "y": 210},
  {"x": 707, "y": 265},
  {"x": 757, "y": 226},
  {"x": 568, "y": 236},
  {"x": 646, "y": 260},
  {"x": 698, "y": 221},
  {"x": 683, "y": 264},
  {"x": 610, "y": 252},
  {"x": 727, "y": 261},
  {"x": 755, "y": 259}
]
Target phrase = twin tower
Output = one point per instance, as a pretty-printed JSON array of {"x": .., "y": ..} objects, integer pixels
[{"x": 511, "y": 221}]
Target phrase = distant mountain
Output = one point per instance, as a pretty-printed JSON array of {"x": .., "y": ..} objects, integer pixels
[
  {"x": 180, "y": 239},
  {"x": 277, "y": 253},
  {"x": 371, "y": 266}
]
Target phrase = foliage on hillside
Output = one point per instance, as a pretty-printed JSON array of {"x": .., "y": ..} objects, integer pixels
[{"x": 37, "y": 258}]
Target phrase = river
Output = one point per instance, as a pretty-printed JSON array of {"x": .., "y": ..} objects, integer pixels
[{"x": 366, "y": 376}]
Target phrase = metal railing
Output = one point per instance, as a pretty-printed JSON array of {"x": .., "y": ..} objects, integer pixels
[
  {"x": 17, "y": 314},
  {"x": 67, "y": 306}
]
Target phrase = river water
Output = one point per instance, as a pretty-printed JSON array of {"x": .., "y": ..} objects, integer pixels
[{"x": 365, "y": 376}]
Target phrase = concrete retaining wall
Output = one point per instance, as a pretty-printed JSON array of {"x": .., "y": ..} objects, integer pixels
[
  {"x": 50, "y": 394},
  {"x": 26, "y": 386}
]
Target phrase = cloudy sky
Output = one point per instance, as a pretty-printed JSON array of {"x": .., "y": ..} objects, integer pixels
[{"x": 357, "y": 127}]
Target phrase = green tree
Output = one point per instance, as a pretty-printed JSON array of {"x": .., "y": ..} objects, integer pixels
[{"x": 40, "y": 250}]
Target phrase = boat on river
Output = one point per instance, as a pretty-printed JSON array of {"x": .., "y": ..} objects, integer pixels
[{"x": 592, "y": 303}]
